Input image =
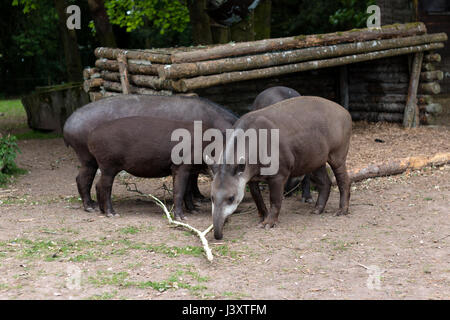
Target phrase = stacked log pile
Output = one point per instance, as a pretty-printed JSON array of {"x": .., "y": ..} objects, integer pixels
[
  {"x": 181, "y": 70},
  {"x": 428, "y": 87}
]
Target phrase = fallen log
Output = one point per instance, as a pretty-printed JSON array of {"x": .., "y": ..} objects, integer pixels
[
  {"x": 191, "y": 84},
  {"x": 186, "y": 70},
  {"x": 430, "y": 87},
  {"x": 398, "y": 166},
  {"x": 117, "y": 87},
  {"x": 134, "y": 66},
  {"x": 370, "y": 98},
  {"x": 432, "y": 75},
  {"x": 297, "y": 42},
  {"x": 140, "y": 80},
  {"x": 376, "y": 116},
  {"x": 113, "y": 53},
  {"x": 92, "y": 84}
]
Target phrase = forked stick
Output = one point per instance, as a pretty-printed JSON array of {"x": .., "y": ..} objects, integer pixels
[{"x": 202, "y": 235}]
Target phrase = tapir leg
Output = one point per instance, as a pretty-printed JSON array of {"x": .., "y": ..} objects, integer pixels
[
  {"x": 104, "y": 187},
  {"x": 84, "y": 180},
  {"x": 276, "y": 188},
  {"x": 322, "y": 180},
  {"x": 180, "y": 180},
  {"x": 188, "y": 196},
  {"x": 257, "y": 197},
  {"x": 306, "y": 189},
  {"x": 194, "y": 188},
  {"x": 343, "y": 182}
]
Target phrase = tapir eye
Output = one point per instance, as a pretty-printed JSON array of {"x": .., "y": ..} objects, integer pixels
[{"x": 231, "y": 199}]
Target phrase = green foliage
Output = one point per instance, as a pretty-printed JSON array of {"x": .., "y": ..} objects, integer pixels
[
  {"x": 166, "y": 15},
  {"x": 351, "y": 14},
  {"x": 8, "y": 153}
]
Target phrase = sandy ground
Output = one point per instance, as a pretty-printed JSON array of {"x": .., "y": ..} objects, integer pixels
[{"x": 394, "y": 243}]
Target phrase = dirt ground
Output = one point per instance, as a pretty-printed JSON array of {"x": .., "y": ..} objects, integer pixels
[{"x": 394, "y": 244}]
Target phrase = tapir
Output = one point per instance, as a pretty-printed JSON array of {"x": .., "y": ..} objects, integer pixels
[
  {"x": 312, "y": 131},
  {"x": 84, "y": 120},
  {"x": 142, "y": 146},
  {"x": 271, "y": 96}
]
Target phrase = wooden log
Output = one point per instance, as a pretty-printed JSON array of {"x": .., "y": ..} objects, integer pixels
[
  {"x": 191, "y": 84},
  {"x": 123, "y": 71},
  {"x": 92, "y": 84},
  {"x": 376, "y": 116},
  {"x": 112, "y": 53},
  {"x": 378, "y": 107},
  {"x": 432, "y": 57},
  {"x": 432, "y": 75},
  {"x": 411, "y": 114},
  {"x": 134, "y": 66},
  {"x": 398, "y": 166},
  {"x": 430, "y": 87},
  {"x": 424, "y": 99},
  {"x": 95, "y": 96},
  {"x": 186, "y": 70},
  {"x": 434, "y": 108},
  {"x": 252, "y": 47},
  {"x": 376, "y": 98},
  {"x": 140, "y": 80},
  {"x": 428, "y": 66},
  {"x": 89, "y": 72},
  {"x": 117, "y": 87}
]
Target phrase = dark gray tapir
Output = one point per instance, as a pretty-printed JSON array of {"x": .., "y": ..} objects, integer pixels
[
  {"x": 312, "y": 131},
  {"x": 271, "y": 96},
  {"x": 81, "y": 123}
]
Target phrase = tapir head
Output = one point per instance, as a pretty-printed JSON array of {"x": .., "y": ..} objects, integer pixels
[{"x": 227, "y": 192}]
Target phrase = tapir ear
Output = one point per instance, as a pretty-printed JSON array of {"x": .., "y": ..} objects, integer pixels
[{"x": 240, "y": 167}]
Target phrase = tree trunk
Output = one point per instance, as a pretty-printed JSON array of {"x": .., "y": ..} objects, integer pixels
[
  {"x": 263, "y": 20},
  {"x": 201, "y": 31},
  {"x": 244, "y": 30},
  {"x": 70, "y": 45},
  {"x": 103, "y": 28}
]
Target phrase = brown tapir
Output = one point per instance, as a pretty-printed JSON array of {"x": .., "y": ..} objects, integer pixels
[
  {"x": 84, "y": 120},
  {"x": 312, "y": 131},
  {"x": 141, "y": 146},
  {"x": 271, "y": 96}
]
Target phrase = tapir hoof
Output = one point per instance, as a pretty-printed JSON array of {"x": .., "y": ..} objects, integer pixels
[
  {"x": 91, "y": 206},
  {"x": 341, "y": 212},
  {"x": 268, "y": 224},
  {"x": 317, "y": 210},
  {"x": 112, "y": 215},
  {"x": 180, "y": 218},
  {"x": 307, "y": 200}
]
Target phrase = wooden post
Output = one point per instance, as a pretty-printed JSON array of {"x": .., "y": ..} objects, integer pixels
[
  {"x": 343, "y": 86},
  {"x": 411, "y": 114},
  {"x": 123, "y": 70}
]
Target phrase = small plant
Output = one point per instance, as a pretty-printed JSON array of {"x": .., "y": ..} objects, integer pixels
[{"x": 8, "y": 153}]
